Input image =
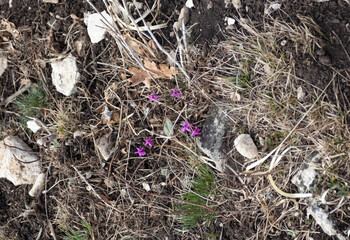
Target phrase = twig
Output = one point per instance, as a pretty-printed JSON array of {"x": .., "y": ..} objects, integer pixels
[
  {"x": 24, "y": 161},
  {"x": 162, "y": 49},
  {"x": 52, "y": 231},
  {"x": 16, "y": 94},
  {"x": 93, "y": 190}
]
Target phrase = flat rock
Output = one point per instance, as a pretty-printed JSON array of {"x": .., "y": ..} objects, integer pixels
[
  {"x": 323, "y": 219},
  {"x": 246, "y": 146},
  {"x": 65, "y": 74},
  {"x": 305, "y": 177},
  {"x": 18, "y": 163},
  {"x": 105, "y": 146},
  {"x": 96, "y": 25},
  {"x": 210, "y": 141}
]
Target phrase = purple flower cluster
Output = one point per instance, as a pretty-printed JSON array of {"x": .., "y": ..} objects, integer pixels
[
  {"x": 176, "y": 93},
  {"x": 140, "y": 151},
  {"x": 185, "y": 126}
]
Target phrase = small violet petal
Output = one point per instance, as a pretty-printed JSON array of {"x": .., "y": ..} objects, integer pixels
[{"x": 148, "y": 142}]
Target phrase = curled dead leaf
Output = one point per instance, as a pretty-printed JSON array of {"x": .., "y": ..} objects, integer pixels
[
  {"x": 139, "y": 47},
  {"x": 160, "y": 71},
  {"x": 139, "y": 76}
]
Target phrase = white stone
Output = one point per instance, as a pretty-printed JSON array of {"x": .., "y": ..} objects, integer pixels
[
  {"x": 96, "y": 25},
  {"x": 32, "y": 125},
  {"x": 230, "y": 21},
  {"x": 304, "y": 178},
  {"x": 272, "y": 7},
  {"x": 301, "y": 94},
  {"x": 65, "y": 74},
  {"x": 307, "y": 174},
  {"x": 146, "y": 186},
  {"x": 13, "y": 152},
  {"x": 104, "y": 146},
  {"x": 275, "y": 6},
  {"x": 246, "y": 146},
  {"x": 3, "y": 64},
  {"x": 189, "y": 4},
  {"x": 322, "y": 218},
  {"x": 38, "y": 186}
]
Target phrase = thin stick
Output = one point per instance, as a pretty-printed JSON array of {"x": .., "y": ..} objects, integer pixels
[
  {"x": 162, "y": 49},
  {"x": 16, "y": 94},
  {"x": 93, "y": 190}
]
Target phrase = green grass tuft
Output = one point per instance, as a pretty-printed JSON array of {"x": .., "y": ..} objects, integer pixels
[
  {"x": 30, "y": 105},
  {"x": 78, "y": 235},
  {"x": 203, "y": 186}
]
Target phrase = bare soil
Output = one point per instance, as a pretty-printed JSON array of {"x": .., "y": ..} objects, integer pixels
[{"x": 318, "y": 65}]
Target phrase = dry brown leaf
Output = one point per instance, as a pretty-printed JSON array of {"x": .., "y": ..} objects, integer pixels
[
  {"x": 162, "y": 72},
  {"x": 74, "y": 17},
  {"x": 139, "y": 75},
  {"x": 106, "y": 199},
  {"x": 137, "y": 46},
  {"x": 152, "y": 45}
]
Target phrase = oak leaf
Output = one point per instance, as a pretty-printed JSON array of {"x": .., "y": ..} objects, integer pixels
[
  {"x": 139, "y": 47},
  {"x": 140, "y": 75}
]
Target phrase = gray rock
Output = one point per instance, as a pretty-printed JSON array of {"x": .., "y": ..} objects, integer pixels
[
  {"x": 18, "y": 163},
  {"x": 307, "y": 174},
  {"x": 105, "y": 146},
  {"x": 322, "y": 218},
  {"x": 210, "y": 141}
]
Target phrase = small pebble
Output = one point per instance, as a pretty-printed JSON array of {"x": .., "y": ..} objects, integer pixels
[{"x": 325, "y": 60}]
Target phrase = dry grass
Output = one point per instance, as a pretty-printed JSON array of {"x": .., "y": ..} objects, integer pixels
[{"x": 251, "y": 77}]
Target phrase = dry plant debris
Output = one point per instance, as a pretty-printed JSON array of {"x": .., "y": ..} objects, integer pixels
[
  {"x": 152, "y": 71},
  {"x": 133, "y": 158}
]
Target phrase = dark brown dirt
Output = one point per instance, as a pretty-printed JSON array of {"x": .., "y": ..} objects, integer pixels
[
  {"x": 317, "y": 68},
  {"x": 206, "y": 25},
  {"x": 209, "y": 23}
]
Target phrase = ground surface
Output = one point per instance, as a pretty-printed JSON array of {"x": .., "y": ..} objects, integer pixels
[{"x": 304, "y": 44}]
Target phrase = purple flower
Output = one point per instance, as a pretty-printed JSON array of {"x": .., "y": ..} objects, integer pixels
[
  {"x": 148, "y": 142},
  {"x": 153, "y": 97},
  {"x": 140, "y": 152},
  {"x": 176, "y": 93},
  {"x": 196, "y": 131},
  {"x": 186, "y": 127}
]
